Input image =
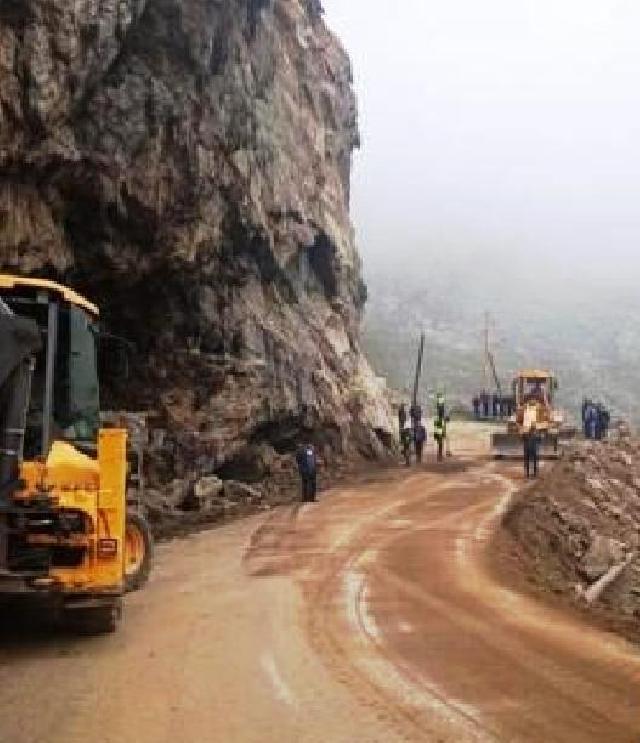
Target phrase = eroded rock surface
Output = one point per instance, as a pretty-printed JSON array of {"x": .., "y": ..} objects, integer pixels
[{"x": 186, "y": 164}]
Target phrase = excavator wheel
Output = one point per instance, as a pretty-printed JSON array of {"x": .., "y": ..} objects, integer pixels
[{"x": 138, "y": 551}]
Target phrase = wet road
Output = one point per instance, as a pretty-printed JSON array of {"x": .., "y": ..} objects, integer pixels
[{"x": 367, "y": 617}]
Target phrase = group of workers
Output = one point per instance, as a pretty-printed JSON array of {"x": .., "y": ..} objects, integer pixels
[
  {"x": 596, "y": 419},
  {"x": 413, "y": 432},
  {"x": 413, "y": 438},
  {"x": 486, "y": 405}
]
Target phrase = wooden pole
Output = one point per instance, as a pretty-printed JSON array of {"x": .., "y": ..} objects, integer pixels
[{"x": 416, "y": 383}]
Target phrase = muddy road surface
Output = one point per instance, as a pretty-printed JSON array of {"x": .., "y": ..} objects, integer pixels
[{"x": 367, "y": 617}]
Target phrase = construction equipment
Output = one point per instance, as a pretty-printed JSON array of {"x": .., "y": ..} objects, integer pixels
[
  {"x": 534, "y": 392},
  {"x": 67, "y": 536}
]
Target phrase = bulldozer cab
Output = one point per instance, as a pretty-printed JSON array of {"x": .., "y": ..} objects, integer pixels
[
  {"x": 64, "y": 400},
  {"x": 534, "y": 386}
]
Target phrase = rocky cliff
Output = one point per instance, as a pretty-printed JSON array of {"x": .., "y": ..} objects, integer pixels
[{"x": 186, "y": 164}]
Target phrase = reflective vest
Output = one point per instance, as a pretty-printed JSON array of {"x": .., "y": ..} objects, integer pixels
[
  {"x": 438, "y": 428},
  {"x": 530, "y": 417}
]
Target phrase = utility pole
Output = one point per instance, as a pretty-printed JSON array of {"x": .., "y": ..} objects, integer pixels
[
  {"x": 490, "y": 371},
  {"x": 416, "y": 383},
  {"x": 485, "y": 375}
]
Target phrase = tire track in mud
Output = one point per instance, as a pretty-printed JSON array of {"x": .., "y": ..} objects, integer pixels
[
  {"x": 346, "y": 638},
  {"x": 339, "y": 554},
  {"x": 336, "y": 622}
]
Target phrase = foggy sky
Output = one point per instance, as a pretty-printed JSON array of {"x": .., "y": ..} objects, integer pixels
[{"x": 497, "y": 127}]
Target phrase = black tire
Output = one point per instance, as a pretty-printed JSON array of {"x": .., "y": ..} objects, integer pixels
[
  {"x": 94, "y": 620},
  {"x": 134, "y": 580}
]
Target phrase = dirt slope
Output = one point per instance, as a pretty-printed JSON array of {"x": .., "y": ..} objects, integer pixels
[{"x": 578, "y": 521}]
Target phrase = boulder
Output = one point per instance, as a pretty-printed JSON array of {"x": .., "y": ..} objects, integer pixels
[
  {"x": 177, "y": 494},
  {"x": 603, "y": 553},
  {"x": 240, "y": 493},
  {"x": 207, "y": 488},
  {"x": 205, "y": 495}
]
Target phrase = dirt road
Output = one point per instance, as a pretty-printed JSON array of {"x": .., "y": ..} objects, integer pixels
[{"x": 367, "y": 617}]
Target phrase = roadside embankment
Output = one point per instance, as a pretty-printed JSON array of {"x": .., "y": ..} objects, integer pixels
[{"x": 573, "y": 537}]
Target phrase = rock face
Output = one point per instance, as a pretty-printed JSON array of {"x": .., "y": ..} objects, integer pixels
[{"x": 186, "y": 164}]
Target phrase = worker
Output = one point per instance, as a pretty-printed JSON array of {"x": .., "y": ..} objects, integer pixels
[
  {"x": 529, "y": 416},
  {"x": 308, "y": 469},
  {"x": 402, "y": 417},
  {"x": 476, "y": 406},
  {"x": 591, "y": 421},
  {"x": 606, "y": 422},
  {"x": 406, "y": 439},
  {"x": 511, "y": 406},
  {"x": 447, "y": 441},
  {"x": 598, "y": 421},
  {"x": 531, "y": 445},
  {"x": 439, "y": 433},
  {"x": 539, "y": 393},
  {"x": 485, "y": 403},
  {"x": 602, "y": 421},
  {"x": 419, "y": 439},
  {"x": 440, "y": 405},
  {"x": 585, "y": 405}
]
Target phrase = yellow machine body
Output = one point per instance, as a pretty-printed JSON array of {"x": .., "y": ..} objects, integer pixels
[
  {"x": 534, "y": 393},
  {"x": 65, "y": 531},
  {"x": 97, "y": 488}
]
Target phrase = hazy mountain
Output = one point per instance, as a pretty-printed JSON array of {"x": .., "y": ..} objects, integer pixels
[{"x": 585, "y": 330}]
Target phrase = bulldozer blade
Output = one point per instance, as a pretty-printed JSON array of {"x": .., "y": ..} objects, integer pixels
[
  {"x": 549, "y": 451},
  {"x": 510, "y": 446},
  {"x": 568, "y": 434},
  {"x": 506, "y": 446}
]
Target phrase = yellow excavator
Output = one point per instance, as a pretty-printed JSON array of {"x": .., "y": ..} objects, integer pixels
[
  {"x": 534, "y": 393},
  {"x": 68, "y": 536}
]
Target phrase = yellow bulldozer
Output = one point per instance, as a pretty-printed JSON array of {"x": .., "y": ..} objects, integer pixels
[
  {"x": 534, "y": 394},
  {"x": 68, "y": 536}
]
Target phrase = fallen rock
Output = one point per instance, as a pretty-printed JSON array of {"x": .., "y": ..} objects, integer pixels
[
  {"x": 239, "y": 492},
  {"x": 595, "y": 484},
  {"x": 603, "y": 553},
  {"x": 208, "y": 488},
  {"x": 178, "y": 493}
]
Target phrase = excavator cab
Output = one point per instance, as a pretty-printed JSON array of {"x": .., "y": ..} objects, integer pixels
[
  {"x": 64, "y": 401},
  {"x": 65, "y": 533}
]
